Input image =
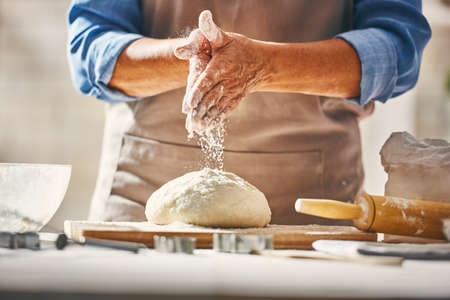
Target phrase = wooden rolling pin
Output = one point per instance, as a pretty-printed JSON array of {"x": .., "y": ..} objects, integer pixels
[{"x": 383, "y": 214}]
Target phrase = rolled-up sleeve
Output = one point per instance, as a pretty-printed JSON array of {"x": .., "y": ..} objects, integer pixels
[
  {"x": 98, "y": 32},
  {"x": 389, "y": 37}
]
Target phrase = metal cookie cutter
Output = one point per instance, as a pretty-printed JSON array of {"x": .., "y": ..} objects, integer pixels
[
  {"x": 13, "y": 240},
  {"x": 174, "y": 244},
  {"x": 242, "y": 243}
]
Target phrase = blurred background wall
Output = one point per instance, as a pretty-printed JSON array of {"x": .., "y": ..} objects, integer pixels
[
  {"x": 44, "y": 120},
  {"x": 425, "y": 110}
]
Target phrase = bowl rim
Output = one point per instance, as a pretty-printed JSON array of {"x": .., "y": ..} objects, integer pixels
[{"x": 35, "y": 165}]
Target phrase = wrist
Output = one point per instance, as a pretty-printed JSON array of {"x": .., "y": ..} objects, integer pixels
[{"x": 265, "y": 53}]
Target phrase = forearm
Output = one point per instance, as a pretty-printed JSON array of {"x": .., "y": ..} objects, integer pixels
[
  {"x": 327, "y": 68},
  {"x": 148, "y": 67}
]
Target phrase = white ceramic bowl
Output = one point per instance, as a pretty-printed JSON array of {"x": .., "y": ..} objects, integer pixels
[{"x": 30, "y": 194}]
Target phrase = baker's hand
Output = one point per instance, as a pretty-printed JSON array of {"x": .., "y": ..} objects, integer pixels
[
  {"x": 198, "y": 51},
  {"x": 235, "y": 69}
]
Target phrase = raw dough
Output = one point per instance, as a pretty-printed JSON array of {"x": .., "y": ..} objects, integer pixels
[{"x": 209, "y": 197}]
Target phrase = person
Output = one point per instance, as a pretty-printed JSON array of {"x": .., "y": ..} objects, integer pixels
[{"x": 291, "y": 77}]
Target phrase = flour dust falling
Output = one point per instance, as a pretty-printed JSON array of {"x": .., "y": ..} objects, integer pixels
[{"x": 211, "y": 144}]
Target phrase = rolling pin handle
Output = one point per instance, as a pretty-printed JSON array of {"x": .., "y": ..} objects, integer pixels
[{"x": 328, "y": 209}]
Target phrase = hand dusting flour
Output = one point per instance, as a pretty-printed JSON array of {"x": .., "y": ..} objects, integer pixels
[
  {"x": 210, "y": 134},
  {"x": 209, "y": 197}
]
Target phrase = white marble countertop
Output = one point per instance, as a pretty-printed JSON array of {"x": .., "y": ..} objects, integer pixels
[{"x": 103, "y": 271}]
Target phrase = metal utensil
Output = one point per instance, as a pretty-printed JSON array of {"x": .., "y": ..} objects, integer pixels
[
  {"x": 112, "y": 244},
  {"x": 174, "y": 244},
  {"x": 242, "y": 243},
  {"x": 27, "y": 240},
  {"x": 33, "y": 240}
]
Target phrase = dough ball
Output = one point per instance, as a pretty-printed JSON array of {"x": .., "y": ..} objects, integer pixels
[{"x": 209, "y": 198}]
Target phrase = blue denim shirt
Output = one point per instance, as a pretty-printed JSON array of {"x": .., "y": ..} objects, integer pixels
[{"x": 389, "y": 37}]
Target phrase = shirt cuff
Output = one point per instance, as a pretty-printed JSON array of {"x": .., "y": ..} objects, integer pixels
[
  {"x": 378, "y": 58},
  {"x": 105, "y": 58}
]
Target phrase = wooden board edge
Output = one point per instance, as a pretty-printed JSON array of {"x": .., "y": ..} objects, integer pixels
[{"x": 204, "y": 239}]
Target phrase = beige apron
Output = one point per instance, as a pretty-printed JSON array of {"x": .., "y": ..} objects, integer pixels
[{"x": 288, "y": 145}]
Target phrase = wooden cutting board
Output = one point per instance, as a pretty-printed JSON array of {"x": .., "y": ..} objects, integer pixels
[{"x": 285, "y": 236}]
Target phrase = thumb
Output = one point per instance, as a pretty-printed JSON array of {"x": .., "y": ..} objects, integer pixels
[
  {"x": 185, "y": 51},
  {"x": 195, "y": 44},
  {"x": 212, "y": 32}
]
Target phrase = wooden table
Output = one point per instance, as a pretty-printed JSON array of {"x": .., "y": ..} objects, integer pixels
[{"x": 90, "y": 272}]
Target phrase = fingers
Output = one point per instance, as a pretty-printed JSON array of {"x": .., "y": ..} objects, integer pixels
[
  {"x": 206, "y": 81},
  {"x": 203, "y": 89},
  {"x": 224, "y": 102},
  {"x": 214, "y": 105},
  {"x": 196, "y": 43},
  {"x": 191, "y": 127},
  {"x": 189, "y": 49},
  {"x": 209, "y": 100},
  {"x": 207, "y": 29},
  {"x": 195, "y": 125},
  {"x": 202, "y": 125},
  {"x": 222, "y": 107},
  {"x": 186, "y": 51},
  {"x": 198, "y": 51},
  {"x": 211, "y": 31},
  {"x": 197, "y": 65}
]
